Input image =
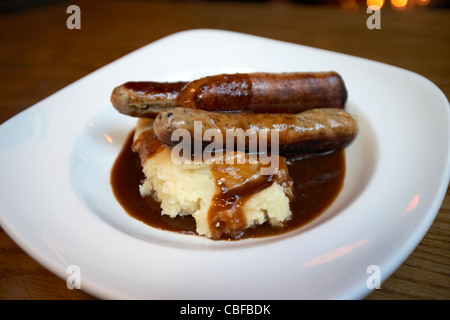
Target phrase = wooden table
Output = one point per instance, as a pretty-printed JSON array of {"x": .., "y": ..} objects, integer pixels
[{"x": 39, "y": 55}]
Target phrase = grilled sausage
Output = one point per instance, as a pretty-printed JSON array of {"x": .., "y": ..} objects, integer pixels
[
  {"x": 312, "y": 131},
  {"x": 145, "y": 99},
  {"x": 265, "y": 92},
  {"x": 253, "y": 92}
]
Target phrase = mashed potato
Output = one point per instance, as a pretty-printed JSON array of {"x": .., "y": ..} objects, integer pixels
[{"x": 194, "y": 189}]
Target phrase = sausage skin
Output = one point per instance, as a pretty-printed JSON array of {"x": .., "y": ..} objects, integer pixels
[
  {"x": 251, "y": 92},
  {"x": 309, "y": 132}
]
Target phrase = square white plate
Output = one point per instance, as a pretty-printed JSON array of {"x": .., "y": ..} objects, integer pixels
[{"x": 57, "y": 202}]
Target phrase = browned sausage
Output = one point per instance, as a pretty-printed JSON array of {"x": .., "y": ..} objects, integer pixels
[
  {"x": 254, "y": 92},
  {"x": 265, "y": 92},
  {"x": 145, "y": 99},
  {"x": 311, "y": 131}
]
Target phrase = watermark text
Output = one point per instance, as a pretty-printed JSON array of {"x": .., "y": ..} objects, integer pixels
[
  {"x": 74, "y": 20},
  {"x": 221, "y": 147}
]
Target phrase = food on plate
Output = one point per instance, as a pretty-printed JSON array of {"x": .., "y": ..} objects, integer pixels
[
  {"x": 311, "y": 131},
  {"x": 224, "y": 198},
  {"x": 289, "y": 92},
  {"x": 284, "y": 167}
]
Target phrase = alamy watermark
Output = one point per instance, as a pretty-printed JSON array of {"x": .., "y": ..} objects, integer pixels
[
  {"x": 256, "y": 145},
  {"x": 374, "y": 280},
  {"x": 74, "y": 20},
  {"x": 74, "y": 279},
  {"x": 374, "y": 20}
]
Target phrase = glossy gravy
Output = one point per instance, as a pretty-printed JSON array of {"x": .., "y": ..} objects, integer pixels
[{"x": 317, "y": 182}]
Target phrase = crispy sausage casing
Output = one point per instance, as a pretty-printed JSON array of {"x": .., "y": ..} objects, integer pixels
[
  {"x": 312, "y": 131},
  {"x": 251, "y": 92}
]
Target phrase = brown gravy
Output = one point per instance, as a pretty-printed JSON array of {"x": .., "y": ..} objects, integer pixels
[{"x": 317, "y": 182}]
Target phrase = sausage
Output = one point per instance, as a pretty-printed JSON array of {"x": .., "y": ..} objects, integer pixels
[
  {"x": 309, "y": 132},
  {"x": 145, "y": 99},
  {"x": 265, "y": 92},
  {"x": 252, "y": 92}
]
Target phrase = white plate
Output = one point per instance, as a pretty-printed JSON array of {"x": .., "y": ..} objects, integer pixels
[{"x": 57, "y": 203}]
